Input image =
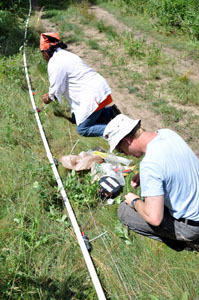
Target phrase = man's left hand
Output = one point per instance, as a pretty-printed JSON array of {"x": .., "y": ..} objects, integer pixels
[
  {"x": 129, "y": 197},
  {"x": 46, "y": 99}
]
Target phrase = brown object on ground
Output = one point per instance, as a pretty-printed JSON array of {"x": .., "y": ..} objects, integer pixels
[{"x": 80, "y": 162}]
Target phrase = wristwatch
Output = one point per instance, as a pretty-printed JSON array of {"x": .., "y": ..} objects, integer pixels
[{"x": 133, "y": 202}]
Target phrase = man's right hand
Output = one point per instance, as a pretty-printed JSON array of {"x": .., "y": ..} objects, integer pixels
[
  {"x": 135, "y": 182},
  {"x": 46, "y": 99}
]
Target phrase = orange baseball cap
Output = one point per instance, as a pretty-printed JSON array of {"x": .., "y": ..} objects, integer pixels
[{"x": 45, "y": 42}]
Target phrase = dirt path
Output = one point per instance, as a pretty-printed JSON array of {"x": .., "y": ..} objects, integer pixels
[{"x": 184, "y": 63}]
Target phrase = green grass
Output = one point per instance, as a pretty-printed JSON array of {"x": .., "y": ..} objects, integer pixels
[
  {"x": 149, "y": 26},
  {"x": 157, "y": 64},
  {"x": 40, "y": 257},
  {"x": 185, "y": 90},
  {"x": 93, "y": 44}
]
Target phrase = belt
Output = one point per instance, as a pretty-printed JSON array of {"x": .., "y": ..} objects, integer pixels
[{"x": 189, "y": 222}]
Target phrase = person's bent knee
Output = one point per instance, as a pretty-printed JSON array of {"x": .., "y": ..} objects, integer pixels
[
  {"x": 127, "y": 215},
  {"x": 83, "y": 131},
  {"x": 95, "y": 130},
  {"x": 121, "y": 212}
]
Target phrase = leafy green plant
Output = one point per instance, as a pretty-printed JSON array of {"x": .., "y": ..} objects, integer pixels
[
  {"x": 54, "y": 214},
  {"x": 93, "y": 44},
  {"x": 80, "y": 189},
  {"x": 153, "y": 55},
  {"x": 122, "y": 232},
  {"x": 134, "y": 47},
  {"x": 11, "y": 5},
  {"x": 11, "y": 32},
  {"x": 184, "y": 89},
  {"x": 107, "y": 29}
]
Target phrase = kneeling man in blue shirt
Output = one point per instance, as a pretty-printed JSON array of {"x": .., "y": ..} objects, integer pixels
[{"x": 169, "y": 180}]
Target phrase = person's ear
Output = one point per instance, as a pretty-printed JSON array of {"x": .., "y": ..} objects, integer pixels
[
  {"x": 128, "y": 140},
  {"x": 45, "y": 55}
]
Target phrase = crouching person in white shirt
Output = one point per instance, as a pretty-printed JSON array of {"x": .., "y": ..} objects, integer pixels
[{"x": 86, "y": 91}]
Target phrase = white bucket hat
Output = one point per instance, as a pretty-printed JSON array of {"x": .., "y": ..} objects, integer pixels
[{"x": 118, "y": 128}]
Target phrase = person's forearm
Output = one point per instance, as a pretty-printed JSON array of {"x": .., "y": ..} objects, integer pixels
[
  {"x": 138, "y": 205},
  {"x": 150, "y": 215},
  {"x": 140, "y": 208},
  {"x": 135, "y": 202},
  {"x": 151, "y": 210}
]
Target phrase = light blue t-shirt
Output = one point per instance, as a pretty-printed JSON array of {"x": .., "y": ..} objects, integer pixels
[{"x": 171, "y": 168}]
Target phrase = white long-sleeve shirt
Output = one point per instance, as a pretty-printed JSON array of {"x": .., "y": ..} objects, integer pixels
[{"x": 83, "y": 88}]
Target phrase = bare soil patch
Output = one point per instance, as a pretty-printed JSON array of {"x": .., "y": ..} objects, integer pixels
[{"x": 184, "y": 64}]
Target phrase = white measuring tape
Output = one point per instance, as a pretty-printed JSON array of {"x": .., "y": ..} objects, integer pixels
[{"x": 75, "y": 225}]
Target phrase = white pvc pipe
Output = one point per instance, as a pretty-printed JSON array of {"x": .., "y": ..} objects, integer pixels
[{"x": 75, "y": 225}]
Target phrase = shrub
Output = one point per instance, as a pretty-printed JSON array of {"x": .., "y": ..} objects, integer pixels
[{"x": 13, "y": 5}]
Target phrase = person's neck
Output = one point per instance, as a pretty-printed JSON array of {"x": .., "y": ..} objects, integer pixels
[{"x": 145, "y": 138}]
